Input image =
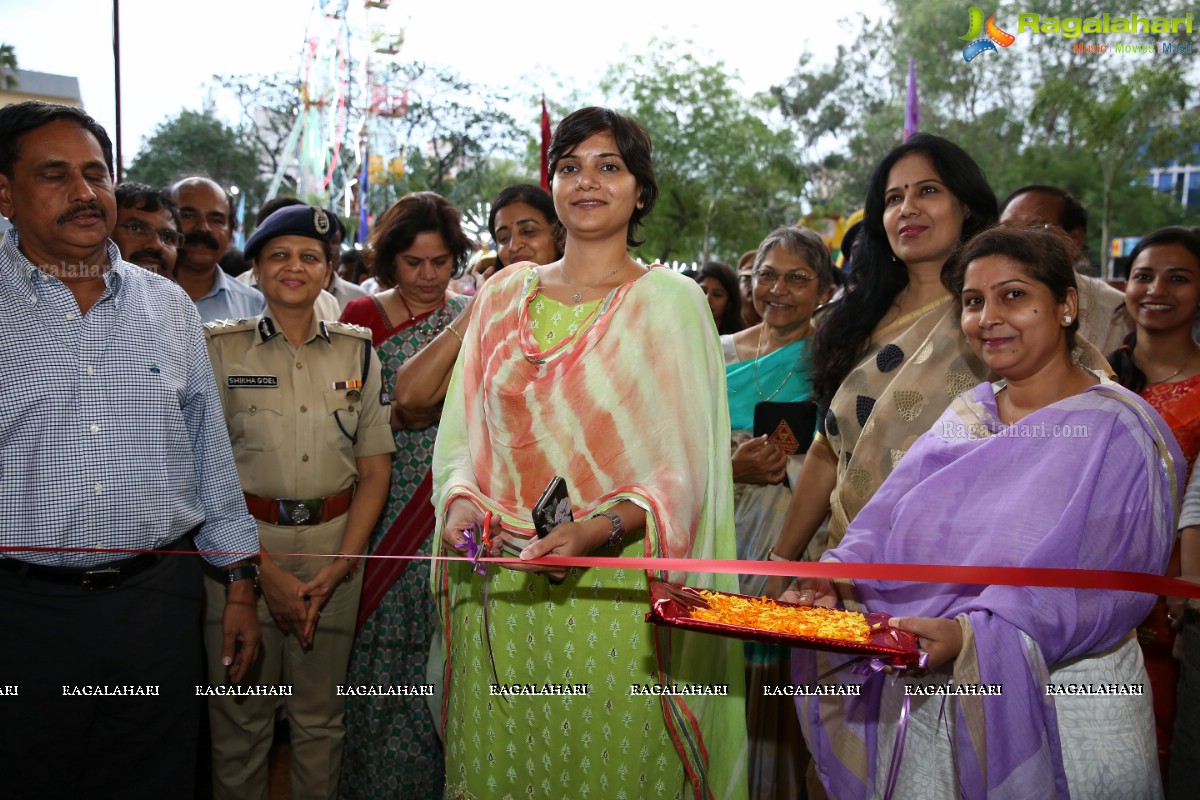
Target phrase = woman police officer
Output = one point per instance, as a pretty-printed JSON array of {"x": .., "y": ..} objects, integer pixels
[{"x": 308, "y": 418}]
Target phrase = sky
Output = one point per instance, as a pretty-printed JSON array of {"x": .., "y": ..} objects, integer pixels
[{"x": 171, "y": 50}]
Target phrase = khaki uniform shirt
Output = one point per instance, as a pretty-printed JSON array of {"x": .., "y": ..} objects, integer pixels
[{"x": 299, "y": 417}]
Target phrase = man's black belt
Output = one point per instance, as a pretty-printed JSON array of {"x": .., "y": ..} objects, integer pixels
[{"x": 100, "y": 576}]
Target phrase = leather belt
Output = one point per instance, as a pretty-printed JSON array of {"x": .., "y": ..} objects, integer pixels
[
  {"x": 299, "y": 512},
  {"x": 101, "y": 576}
]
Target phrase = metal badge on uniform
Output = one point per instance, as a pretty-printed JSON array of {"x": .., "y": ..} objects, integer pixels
[
  {"x": 385, "y": 399},
  {"x": 266, "y": 329},
  {"x": 252, "y": 382},
  {"x": 320, "y": 221}
]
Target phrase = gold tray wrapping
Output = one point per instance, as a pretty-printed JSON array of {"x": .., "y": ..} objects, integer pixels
[{"x": 672, "y": 605}]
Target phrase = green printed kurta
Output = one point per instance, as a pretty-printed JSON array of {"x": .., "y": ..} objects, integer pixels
[
  {"x": 631, "y": 406},
  {"x": 392, "y": 748}
]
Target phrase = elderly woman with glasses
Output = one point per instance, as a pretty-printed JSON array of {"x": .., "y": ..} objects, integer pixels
[{"x": 766, "y": 369}]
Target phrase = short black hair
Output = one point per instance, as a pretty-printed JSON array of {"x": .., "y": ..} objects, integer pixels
[
  {"x": 1071, "y": 213},
  {"x": 274, "y": 204},
  {"x": 633, "y": 143},
  {"x": 138, "y": 195},
  {"x": 396, "y": 230},
  {"x": 530, "y": 194},
  {"x": 21, "y": 118}
]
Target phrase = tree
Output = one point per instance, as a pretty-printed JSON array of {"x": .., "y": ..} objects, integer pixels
[
  {"x": 450, "y": 138},
  {"x": 1118, "y": 127},
  {"x": 1024, "y": 131},
  {"x": 8, "y": 65},
  {"x": 197, "y": 143},
  {"x": 726, "y": 175},
  {"x": 269, "y": 105}
]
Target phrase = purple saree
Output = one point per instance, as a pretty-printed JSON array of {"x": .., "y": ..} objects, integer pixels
[{"x": 1090, "y": 482}]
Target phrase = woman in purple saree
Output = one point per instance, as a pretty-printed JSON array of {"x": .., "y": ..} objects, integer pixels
[{"x": 1053, "y": 466}]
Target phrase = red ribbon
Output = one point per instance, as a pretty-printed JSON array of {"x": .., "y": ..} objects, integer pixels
[{"x": 914, "y": 573}]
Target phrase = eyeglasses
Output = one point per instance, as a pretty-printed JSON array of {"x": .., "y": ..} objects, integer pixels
[
  {"x": 793, "y": 280},
  {"x": 168, "y": 237}
]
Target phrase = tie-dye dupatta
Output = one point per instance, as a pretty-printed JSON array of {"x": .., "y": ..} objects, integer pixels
[
  {"x": 1090, "y": 482},
  {"x": 633, "y": 407}
]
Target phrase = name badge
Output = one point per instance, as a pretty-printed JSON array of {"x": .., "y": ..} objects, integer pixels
[{"x": 252, "y": 382}]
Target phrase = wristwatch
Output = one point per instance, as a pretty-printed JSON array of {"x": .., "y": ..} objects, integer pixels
[
  {"x": 246, "y": 572},
  {"x": 618, "y": 528}
]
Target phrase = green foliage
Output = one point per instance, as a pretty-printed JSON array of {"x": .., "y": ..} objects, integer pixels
[
  {"x": 726, "y": 174},
  {"x": 197, "y": 143},
  {"x": 454, "y": 139},
  {"x": 8, "y": 65},
  {"x": 269, "y": 106},
  {"x": 1117, "y": 125},
  {"x": 1036, "y": 112}
]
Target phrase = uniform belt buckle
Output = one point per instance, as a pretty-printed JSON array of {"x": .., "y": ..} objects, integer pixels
[
  {"x": 106, "y": 578},
  {"x": 300, "y": 512}
]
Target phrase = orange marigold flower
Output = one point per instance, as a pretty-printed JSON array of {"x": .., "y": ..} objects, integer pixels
[{"x": 767, "y": 615}]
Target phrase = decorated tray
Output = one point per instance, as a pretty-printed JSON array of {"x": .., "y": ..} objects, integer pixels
[{"x": 775, "y": 622}]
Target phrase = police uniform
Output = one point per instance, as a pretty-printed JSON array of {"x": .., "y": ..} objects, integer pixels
[{"x": 298, "y": 417}]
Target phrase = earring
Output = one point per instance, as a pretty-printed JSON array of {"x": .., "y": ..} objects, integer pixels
[{"x": 1066, "y": 319}]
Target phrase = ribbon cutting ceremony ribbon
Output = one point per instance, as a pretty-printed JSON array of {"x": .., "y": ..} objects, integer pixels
[{"x": 909, "y": 573}]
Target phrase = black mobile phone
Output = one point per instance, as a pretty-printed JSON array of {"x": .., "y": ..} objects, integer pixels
[
  {"x": 553, "y": 508},
  {"x": 789, "y": 425}
]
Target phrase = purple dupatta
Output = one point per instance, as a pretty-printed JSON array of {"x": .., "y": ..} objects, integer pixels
[{"x": 1090, "y": 482}]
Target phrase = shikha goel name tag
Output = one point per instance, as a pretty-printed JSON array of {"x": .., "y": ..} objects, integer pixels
[{"x": 252, "y": 382}]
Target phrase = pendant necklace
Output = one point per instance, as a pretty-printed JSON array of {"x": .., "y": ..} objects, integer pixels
[
  {"x": 757, "y": 356},
  {"x": 441, "y": 321},
  {"x": 578, "y": 296}
]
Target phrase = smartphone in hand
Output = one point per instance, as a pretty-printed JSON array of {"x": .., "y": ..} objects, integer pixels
[{"x": 553, "y": 508}]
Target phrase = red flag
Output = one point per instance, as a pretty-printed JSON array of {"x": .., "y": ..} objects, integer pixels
[{"x": 545, "y": 146}]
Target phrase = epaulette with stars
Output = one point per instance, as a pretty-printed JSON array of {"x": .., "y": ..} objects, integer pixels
[
  {"x": 221, "y": 326},
  {"x": 347, "y": 329}
]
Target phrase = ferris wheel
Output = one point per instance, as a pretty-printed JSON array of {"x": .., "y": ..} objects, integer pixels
[{"x": 325, "y": 146}]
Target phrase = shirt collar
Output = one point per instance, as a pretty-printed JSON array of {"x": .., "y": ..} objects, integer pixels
[
  {"x": 220, "y": 283},
  {"x": 26, "y": 269},
  {"x": 267, "y": 330}
]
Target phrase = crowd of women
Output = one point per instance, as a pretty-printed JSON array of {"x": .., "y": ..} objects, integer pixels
[{"x": 902, "y": 414}]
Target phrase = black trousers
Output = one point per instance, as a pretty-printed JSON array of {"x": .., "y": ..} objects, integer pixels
[
  {"x": 1184, "y": 776},
  {"x": 59, "y": 644}
]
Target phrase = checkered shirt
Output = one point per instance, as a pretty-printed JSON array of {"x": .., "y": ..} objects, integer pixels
[{"x": 111, "y": 429}]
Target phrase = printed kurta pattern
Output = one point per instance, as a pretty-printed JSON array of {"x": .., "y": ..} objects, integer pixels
[{"x": 631, "y": 407}]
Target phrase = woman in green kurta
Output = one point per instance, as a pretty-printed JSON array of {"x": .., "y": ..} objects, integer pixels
[{"x": 601, "y": 371}]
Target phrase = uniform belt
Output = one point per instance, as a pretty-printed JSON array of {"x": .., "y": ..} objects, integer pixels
[
  {"x": 100, "y": 576},
  {"x": 298, "y": 512}
]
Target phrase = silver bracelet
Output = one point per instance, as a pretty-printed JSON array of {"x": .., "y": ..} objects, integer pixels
[{"x": 618, "y": 528}]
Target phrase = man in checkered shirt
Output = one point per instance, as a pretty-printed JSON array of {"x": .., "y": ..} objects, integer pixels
[{"x": 113, "y": 450}]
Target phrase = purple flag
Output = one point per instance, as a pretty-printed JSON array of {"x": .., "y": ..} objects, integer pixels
[
  {"x": 912, "y": 106},
  {"x": 363, "y": 217}
]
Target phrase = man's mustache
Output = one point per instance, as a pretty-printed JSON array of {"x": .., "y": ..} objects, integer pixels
[
  {"x": 200, "y": 237},
  {"x": 145, "y": 256},
  {"x": 79, "y": 209}
]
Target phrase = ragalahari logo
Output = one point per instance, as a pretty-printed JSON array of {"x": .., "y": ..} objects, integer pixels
[{"x": 983, "y": 37}]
